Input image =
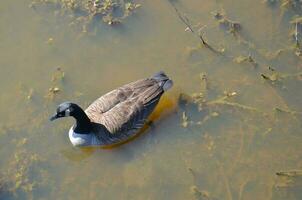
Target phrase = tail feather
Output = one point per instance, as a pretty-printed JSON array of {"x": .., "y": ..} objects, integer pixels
[
  {"x": 163, "y": 80},
  {"x": 160, "y": 76},
  {"x": 167, "y": 85}
]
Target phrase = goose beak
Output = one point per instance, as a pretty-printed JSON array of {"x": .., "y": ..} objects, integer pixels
[{"x": 55, "y": 116}]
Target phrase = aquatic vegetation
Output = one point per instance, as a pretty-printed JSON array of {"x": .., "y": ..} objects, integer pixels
[
  {"x": 246, "y": 59},
  {"x": 199, "y": 195},
  {"x": 230, "y": 26},
  {"x": 275, "y": 76},
  {"x": 286, "y": 5},
  {"x": 185, "y": 121},
  {"x": 57, "y": 78},
  {"x": 198, "y": 33},
  {"x": 50, "y": 41},
  {"x": 289, "y": 182},
  {"x": 291, "y": 4},
  {"x": 52, "y": 92},
  {"x": 58, "y": 75},
  {"x": 271, "y": 1},
  {"x": 111, "y": 12},
  {"x": 292, "y": 173},
  {"x": 21, "y": 167},
  {"x": 272, "y": 55},
  {"x": 203, "y": 103},
  {"x": 236, "y": 132},
  {"x": 296, "y": 34},
  {"x": 25, "y": 92}
]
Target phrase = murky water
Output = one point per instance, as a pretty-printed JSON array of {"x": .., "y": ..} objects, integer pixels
[{"x": 227, "y": 143}]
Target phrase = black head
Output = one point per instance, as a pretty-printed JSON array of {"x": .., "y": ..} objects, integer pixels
[{"x": 65, "y": 109}]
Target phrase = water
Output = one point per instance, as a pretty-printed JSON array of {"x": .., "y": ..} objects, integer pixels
[{"x": 227, "y": 151}]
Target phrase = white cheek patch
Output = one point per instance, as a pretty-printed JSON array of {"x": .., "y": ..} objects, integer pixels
[{"x": 67, "y": 113}]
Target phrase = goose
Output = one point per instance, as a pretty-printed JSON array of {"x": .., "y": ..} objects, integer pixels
[{"x": 116, "y": 116}]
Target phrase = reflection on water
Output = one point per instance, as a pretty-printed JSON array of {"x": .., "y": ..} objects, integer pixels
[{"x": 235, "y": 132}]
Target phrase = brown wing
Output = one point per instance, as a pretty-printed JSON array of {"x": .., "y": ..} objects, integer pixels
[
  {"x": 127, "y": 107},
  {"x": 111, "y": 99}
]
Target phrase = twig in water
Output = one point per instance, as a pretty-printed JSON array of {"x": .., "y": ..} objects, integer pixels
[
  {"x": 288, "y": 111},
  {"x": 186, "y": 21},
  {"x": 293, "y": 173},
  {"x": 223, "y": 101},
  {"x": 296, "y": 34}
]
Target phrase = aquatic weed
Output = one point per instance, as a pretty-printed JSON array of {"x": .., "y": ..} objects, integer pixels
[{"x": 111, "y": 12}]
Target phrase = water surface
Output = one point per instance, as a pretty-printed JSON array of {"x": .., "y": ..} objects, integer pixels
[{"x": 247, "y": 128}]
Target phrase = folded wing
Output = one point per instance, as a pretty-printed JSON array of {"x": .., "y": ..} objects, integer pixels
[{"x": 126, "y": 108}]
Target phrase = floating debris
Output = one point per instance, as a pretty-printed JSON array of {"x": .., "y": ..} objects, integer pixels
[
  {"x": 185, "y": 121},
  {"x": 52, "y": 93},
  {"x": 50, "y": 41},
  {"x": 229, "y": 94},
  {"x": 30, "y": 94},
  {"x": 54, "y": 90}
]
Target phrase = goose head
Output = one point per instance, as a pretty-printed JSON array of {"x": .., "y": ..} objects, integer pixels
[{"x": 65, "y": 109}]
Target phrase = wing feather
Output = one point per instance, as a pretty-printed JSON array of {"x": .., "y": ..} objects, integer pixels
[
  {"x": 111, "y": 99},
  {"x": 132, "y": 113},
  {"x": 126, "y": 108}
]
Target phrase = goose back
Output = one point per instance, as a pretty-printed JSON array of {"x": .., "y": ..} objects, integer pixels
[{"x": 126, "y": 109}]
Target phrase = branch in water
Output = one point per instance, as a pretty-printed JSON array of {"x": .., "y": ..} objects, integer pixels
[
  {"x": 292, "y": 173},
  {"x": 186, "y": 21}
]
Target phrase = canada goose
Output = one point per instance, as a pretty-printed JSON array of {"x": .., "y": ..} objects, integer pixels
[{"x": 116, "y": 116}]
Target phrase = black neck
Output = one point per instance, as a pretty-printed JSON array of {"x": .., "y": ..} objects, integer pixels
[{"x": 83, "y": 124}]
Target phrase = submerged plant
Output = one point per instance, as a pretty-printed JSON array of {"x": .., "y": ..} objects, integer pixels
[
  {"x": 230, "y": 26},
  {"x": 199, "y": 195},
  {"x": 85, "y": 11},
  {"x": 56, "y": 79},
  {"x": 23, "y": 174},
  {"x": 275, "y": 76},
  {"x": 185, "y": 120},
  {"x": 296, "y": 34},
  {"x": 291, "y": 4},
  {"x": 246, "y": 59}
]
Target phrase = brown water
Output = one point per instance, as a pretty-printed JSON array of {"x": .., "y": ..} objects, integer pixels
[{"x": 248, "y": 128}]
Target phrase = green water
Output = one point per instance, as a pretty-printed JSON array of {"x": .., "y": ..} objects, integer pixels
[{"x": 247, "y": 129}]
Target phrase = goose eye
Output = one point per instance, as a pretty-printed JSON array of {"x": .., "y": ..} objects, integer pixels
[{"x": 67, "y": 112}]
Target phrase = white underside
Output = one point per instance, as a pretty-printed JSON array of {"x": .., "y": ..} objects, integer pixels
[{"x": 83, "y": 139}]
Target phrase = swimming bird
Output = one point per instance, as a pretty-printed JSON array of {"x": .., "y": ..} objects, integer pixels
[{"x": 116, "y": 116}]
